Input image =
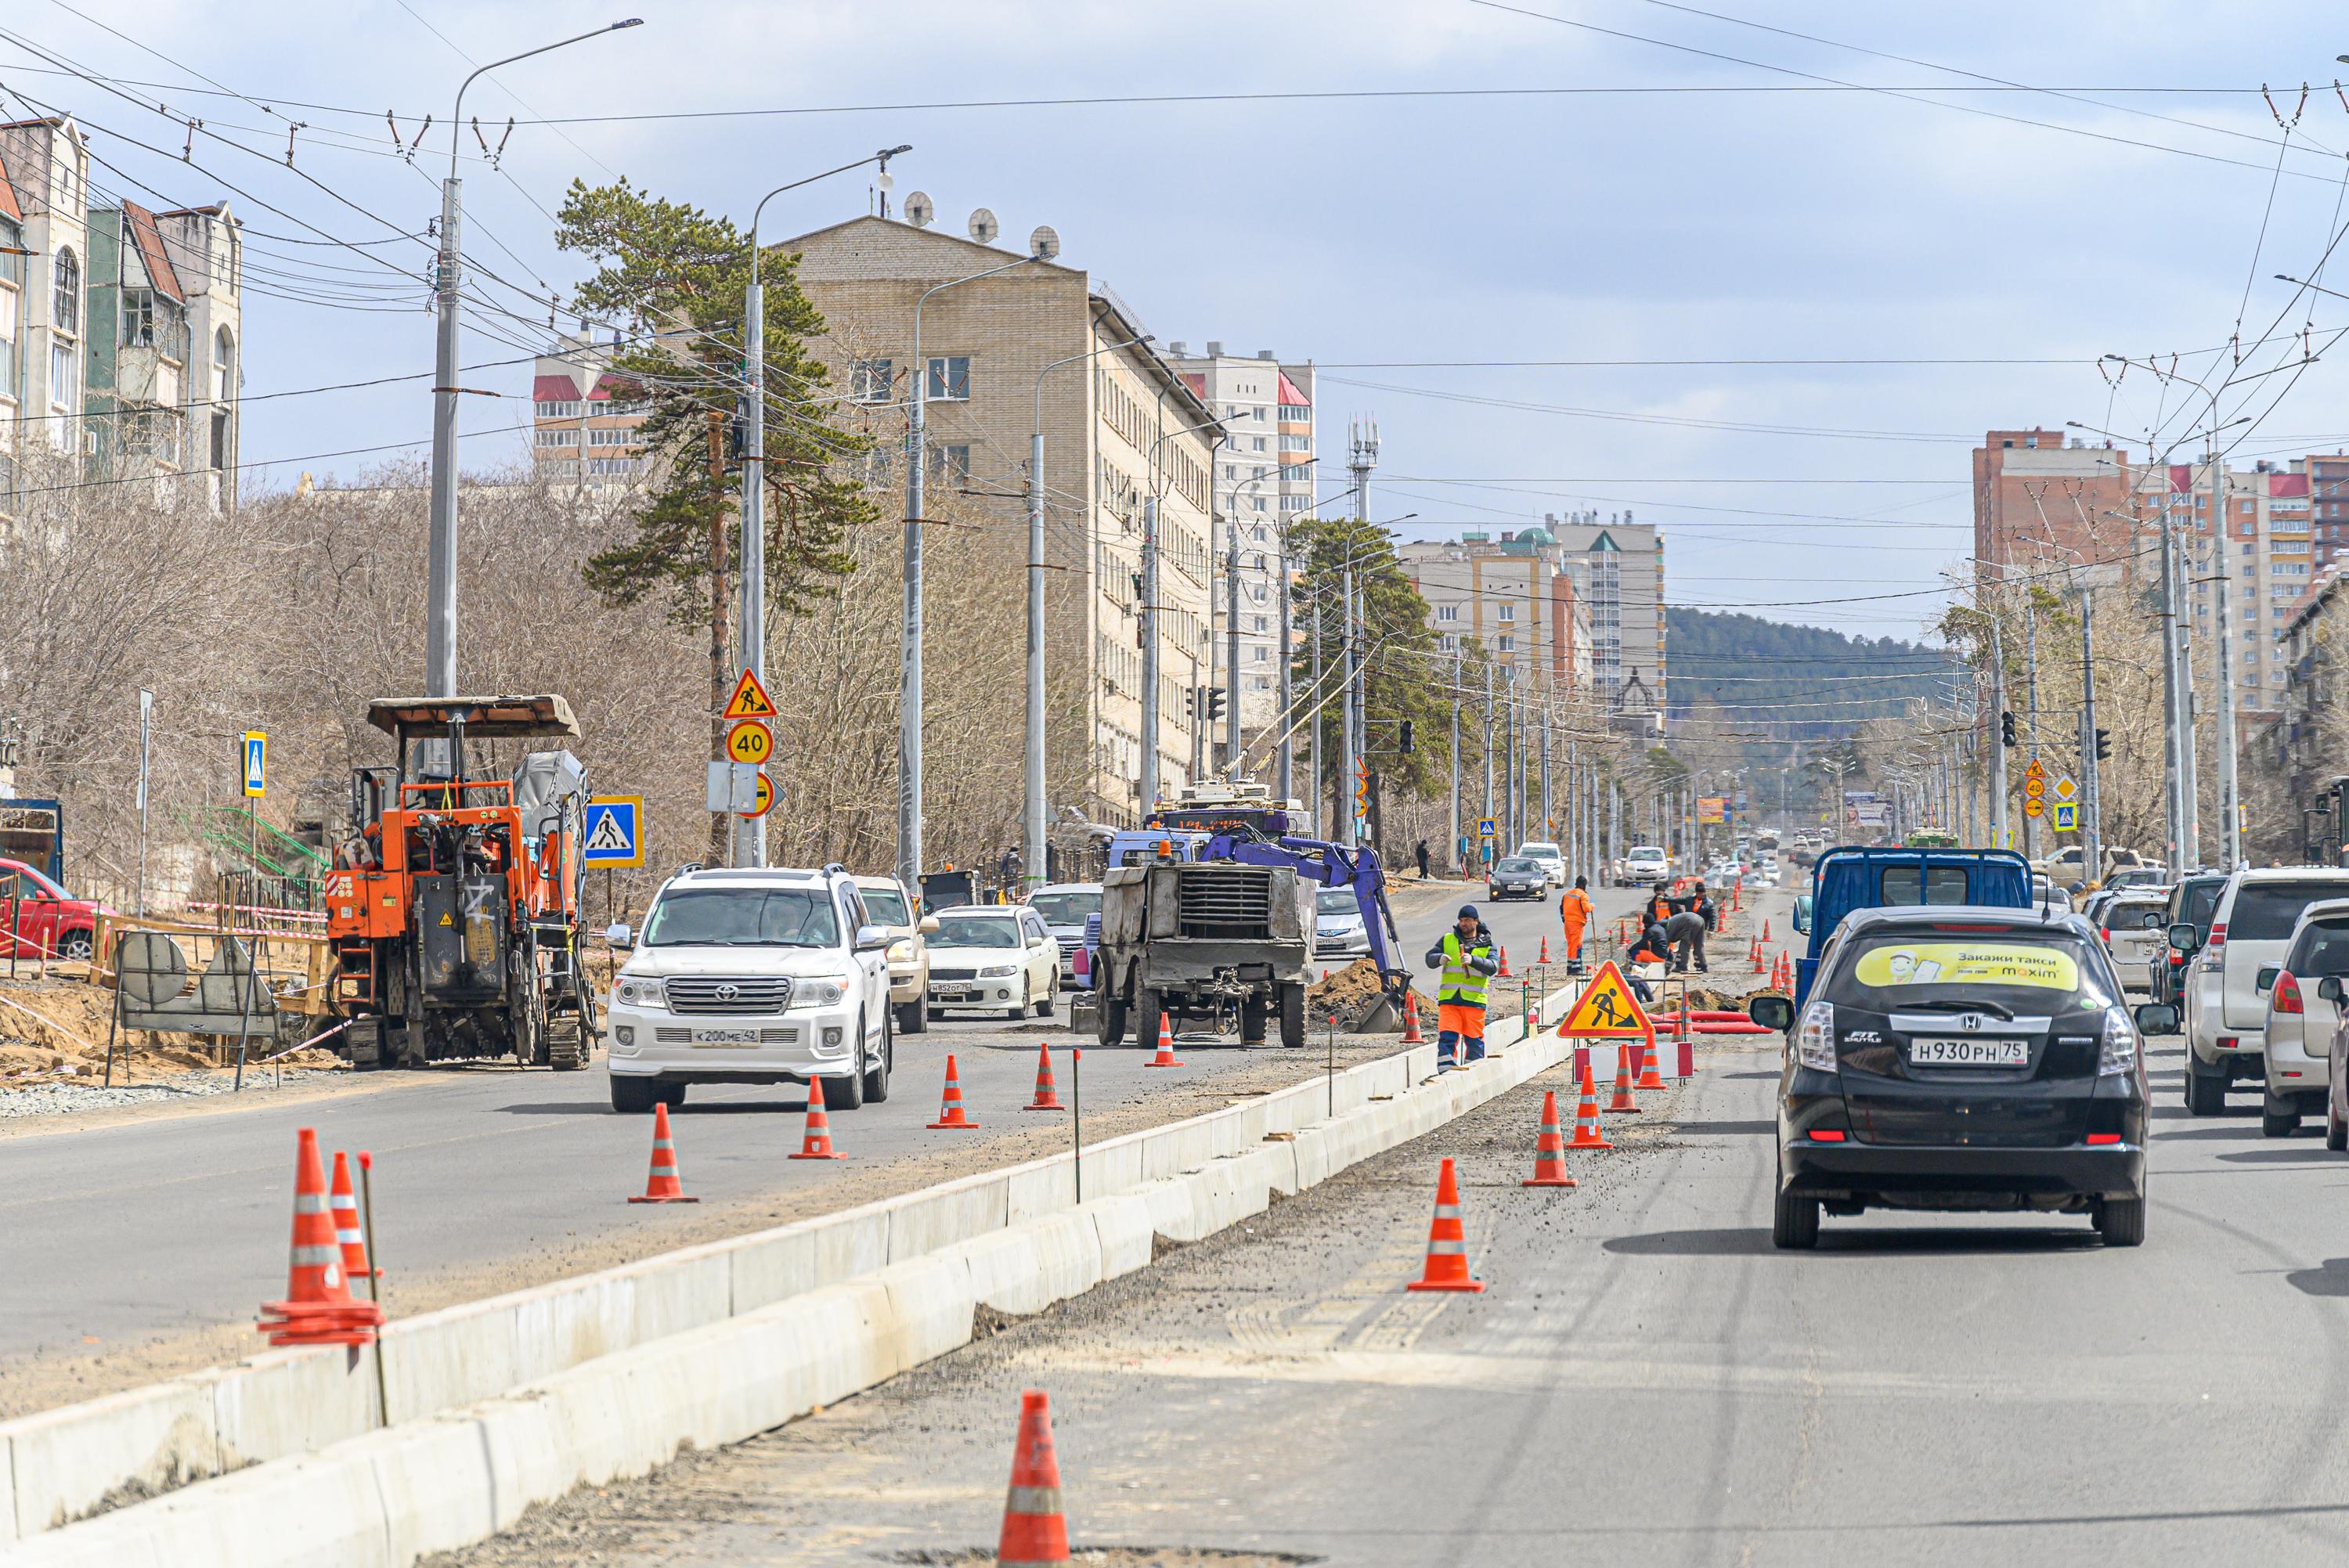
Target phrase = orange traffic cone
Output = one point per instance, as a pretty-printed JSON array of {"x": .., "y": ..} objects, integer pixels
[
  {"x": 1648, "y": 1075},
  {"x": 1166, "y": 1056},
  {"x": 1549, "y": 1150},
  {"x": 1765, "y": 930},
  {"x": 1623, "y": 1104},
  {"x": 1411, "y": 1035},
  {"x": 319, "y": 1308},
  {"x": 345, "y": 1205},
  {"x": 1035, "y": 1531},
  {"x": 1754, "y": 952},
  {"x": 1545, "y": 951},
  {"x": 662, "y": 1186},
  {"x": 815, "y": 1143},
  {"x": 950, "y": 1109},
  {"x": 1587, "y": 1134},
  {"x": 1447, "y": 1242},
  {"x": 1047, "y": 1094},
  {"x": 1505, "y": 974}
]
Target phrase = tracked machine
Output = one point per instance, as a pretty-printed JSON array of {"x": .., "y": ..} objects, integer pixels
[{"x": 454, "y": 906}]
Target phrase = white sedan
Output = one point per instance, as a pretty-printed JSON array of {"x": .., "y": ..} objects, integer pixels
[{"x": 995, "y": 957}]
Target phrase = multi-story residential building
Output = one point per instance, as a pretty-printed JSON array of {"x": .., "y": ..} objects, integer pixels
[
  {"x": 1617, "y": 567},
  {"x": 2312, "y": 646},
  {"x": 2034, "y": 489},
  {"x": 164, "y": 329},
  {"x": 1119, "y": 426},
  {"x": 45, "y": 167},
  {"x": 1264, "y": 480},
  {"x": 2269, "y": 553},
  {"x": 580, "y": 433},
  {"x": 1516, "y": 598}
]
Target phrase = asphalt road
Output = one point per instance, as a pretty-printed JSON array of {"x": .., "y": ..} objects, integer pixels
[
  {"x": 120, "y": 1234},
  {"x": 1644, "y": 1381}
]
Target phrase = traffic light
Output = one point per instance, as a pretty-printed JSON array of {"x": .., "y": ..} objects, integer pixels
[
  {"x": 1214, "y": 705},
  {"x": 1406, "y": 737},
  {"x": 2006, "y": 728},
  {"x": 2103, "y": 744},
  {"x": 1191, "y": 703}
]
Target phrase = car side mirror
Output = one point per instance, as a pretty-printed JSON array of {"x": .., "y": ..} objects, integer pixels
[
  {"x": 2079, "y": 887},
  {"x": 1771, "y": 1012},
  {"x": 619, "y": 935},
  {"x": 2328, "y": 987},
  {"x": 2184, "y": 937},
  {"x": 929, "y": 925},
  {"x": 2157, "y": 1018},
  {"x": 871, "y": 938},
  {"x": 2266, "y": 977},
  {"x": 1803, "y": 914}
]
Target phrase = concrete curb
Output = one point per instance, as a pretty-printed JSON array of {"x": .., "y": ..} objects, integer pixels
[{"x": 501, "y": 1403}]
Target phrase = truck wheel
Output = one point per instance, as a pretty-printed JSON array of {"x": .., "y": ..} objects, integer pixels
[
  {"x": 1148, "y": 1006},
  {"x": 1109, "y": 1020},
  {"x": 1292, "y": 1014},
  {"x": 1254, "y": 1007},
  {"x": 632, "y": 1096}
]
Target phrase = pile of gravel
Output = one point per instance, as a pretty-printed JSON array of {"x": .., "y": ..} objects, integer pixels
[{"x": 56, "y": 1096}]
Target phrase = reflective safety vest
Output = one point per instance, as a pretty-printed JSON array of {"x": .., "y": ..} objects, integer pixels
[{"x": 1460, "y": 982}]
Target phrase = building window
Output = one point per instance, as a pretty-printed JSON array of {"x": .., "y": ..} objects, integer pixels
[
  {"x": 224, "y": 367},
  {"x": 869, "y": 380},
  {"x": 1447, "y": 612},
  {"x": 65, "y": 383},
  {"x": 949, "y": 465},
  {"x": 137, "y": 318},
  {"x": 220, "y": 440},
  {"x": 1259, "y": 624},
  {"x": 558, "y": 437},
  {"x": 1505, "y": 644},
  {"x": 1259, "y": 413},
  {"x": 1295, "y": 443},
  {"x": 614, "y": 465},
  {"x": 1295, "y": 413},
  {"x": 65, "y": 305},
  {"x": 1257, "y": 501},
  {"x": 1259, "y": 443},
  {"x": 558, "y": 410},
  {"x": 611, "y": 437},
  {"x": 1509, "y": 612},
  {"x": 949, "y": 379},
  {"x": 1263, "y": 656}
]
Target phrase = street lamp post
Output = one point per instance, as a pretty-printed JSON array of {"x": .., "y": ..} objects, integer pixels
[
  {"x": 441, "y": 555},
  {"x": 909, "y": 698},
  {"x": 1033, "y": 813},
  {"x": 750, "y": 832},
  {"x": 1149, "y": 781}
]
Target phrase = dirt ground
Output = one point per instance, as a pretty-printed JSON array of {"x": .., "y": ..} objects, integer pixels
[{"x": 56, "y": 1026}]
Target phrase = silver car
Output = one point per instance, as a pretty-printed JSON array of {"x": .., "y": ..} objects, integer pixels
[
  {"x": 2136, "y": 929},
  {"x": 1065, "y": 906},
  {"x": 1337, "y": 929}
]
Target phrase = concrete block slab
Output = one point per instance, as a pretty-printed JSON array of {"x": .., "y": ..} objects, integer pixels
[
  {"x": 1123, "y": 1226},
  {"x": 299, "y": 1401},
  {"x": 774, "y": 1265},
  {"x": 62, "y": 1464},
  {"x": 938, "y": 1217},
  {"x": 435, "y": 1482},
  {"x": 930, "y": 1305},
  {"x": 1044, "y": 1187},
  {"x": 1029, "y": 1266}
]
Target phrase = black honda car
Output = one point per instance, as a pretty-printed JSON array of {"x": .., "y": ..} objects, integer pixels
[{"x": 1962, "y": 1057}]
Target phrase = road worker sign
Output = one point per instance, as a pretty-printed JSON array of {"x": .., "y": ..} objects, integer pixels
[
  {"x": 1606, "y": 1007},
  {"x": 750, "y": 699},
  {"x": 2036, "y": 770},
  {"x": 749, "y": 742}
]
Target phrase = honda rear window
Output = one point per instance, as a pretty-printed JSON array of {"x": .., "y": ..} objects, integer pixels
[
  {"x": 2266, "y": 911},
  {"x": 1943, "y": 884},
  {"x": 2031, "y": 972}
]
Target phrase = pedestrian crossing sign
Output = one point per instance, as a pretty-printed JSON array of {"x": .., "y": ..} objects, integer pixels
[
  {"x": 2067, "y": 816},
  {"x": 1606, "y": 1009},
  {"x": 1486, "y": 828},
  {"x": 614, "y": 832}
]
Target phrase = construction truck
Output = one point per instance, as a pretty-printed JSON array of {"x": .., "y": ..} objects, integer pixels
[
  {"x": 1207, "y": 916},
  {"x": 454, "y": 906}
]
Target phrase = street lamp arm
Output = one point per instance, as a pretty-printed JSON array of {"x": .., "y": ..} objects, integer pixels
[
  {"x": 881, "y": 157},
  {"x": 456, "y": 119}
]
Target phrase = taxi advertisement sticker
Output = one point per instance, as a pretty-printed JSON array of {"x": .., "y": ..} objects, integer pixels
[{"x": 1969, "y": 962}]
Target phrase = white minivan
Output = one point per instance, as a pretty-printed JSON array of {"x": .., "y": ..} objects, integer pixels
[
  {"x": 2303, "y": 993},
  {"x": 2226, "y": 1009}
]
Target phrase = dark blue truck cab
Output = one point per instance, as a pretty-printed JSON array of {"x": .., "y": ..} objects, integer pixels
[{"x": 1865, "y": 877}]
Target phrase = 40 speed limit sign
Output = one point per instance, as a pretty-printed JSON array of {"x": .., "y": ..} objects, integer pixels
[{"x": 749, "y": 742}]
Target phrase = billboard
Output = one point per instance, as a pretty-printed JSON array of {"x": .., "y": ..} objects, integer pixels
[{"x": 1711, "y": 808}]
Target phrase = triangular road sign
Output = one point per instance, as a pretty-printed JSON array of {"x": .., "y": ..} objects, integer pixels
[
  {"x": 750, "y": 699},
  {"x": 1606, "y": 1007}
]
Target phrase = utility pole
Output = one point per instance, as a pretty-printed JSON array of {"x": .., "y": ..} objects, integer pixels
[
  {"x": 1150, "y": 674},
  {"x": 1320, "y": 702},
  {"x": 1288, "y": 754},
  {"x": 1489, "y": 746},
  {"x": 2173, "y": 772},
  {"x": 440, "y": 554},
  {"x": 2190, "y": 764},
  {"x": 2031, "y": 688},
  {"x": 1998, "y": 739},
  {"x": 2092, "y": 863},
  {"x": 1232, "y": 649},
  {"x": 2231, "y": 825},
  {"x": 1363, "y": 456},
  {"x": 1459, "y": 859}
]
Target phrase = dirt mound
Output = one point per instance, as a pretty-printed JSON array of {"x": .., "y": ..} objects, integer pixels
[
  {"x": 1350, "y": 994},
  {"x": 57, "y": 1028}
]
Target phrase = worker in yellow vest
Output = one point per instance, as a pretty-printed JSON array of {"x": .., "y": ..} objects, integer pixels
[{"x": 1467, "y": 958}]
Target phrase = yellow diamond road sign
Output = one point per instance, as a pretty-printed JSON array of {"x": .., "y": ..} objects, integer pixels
[{"x": 2065, "y": 789}]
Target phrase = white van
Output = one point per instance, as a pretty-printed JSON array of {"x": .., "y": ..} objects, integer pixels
[{"x": 2226, "y": 1009}]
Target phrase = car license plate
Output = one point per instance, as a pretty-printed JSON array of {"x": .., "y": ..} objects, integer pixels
[
  {"x": 951, "y": 995},
  {"x": 1987, "y": 1051},
  {"x": 725, "y": 1037}
]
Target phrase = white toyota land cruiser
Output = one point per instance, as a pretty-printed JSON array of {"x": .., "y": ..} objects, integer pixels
[{"x": 752, "y": 977}]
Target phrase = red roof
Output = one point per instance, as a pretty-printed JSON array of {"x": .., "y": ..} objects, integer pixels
[
  {"x": 1197, "y": 380},
  {"x": 2287, "y": 485},
  {"x": 8, "y": 208},
  {"x": 149, "y": 241},
  {"x": 555, "y": 390},
  {"x": 1288, "y": 392}
]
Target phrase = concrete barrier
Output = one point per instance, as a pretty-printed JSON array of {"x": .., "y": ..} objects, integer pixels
[{"x": 910, "y": 1269}]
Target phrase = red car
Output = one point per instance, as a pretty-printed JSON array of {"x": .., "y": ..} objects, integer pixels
[{"x": 38, "y": 919}]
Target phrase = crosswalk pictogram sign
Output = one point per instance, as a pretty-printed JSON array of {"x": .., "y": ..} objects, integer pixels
[{"x": 614, "y": 836}]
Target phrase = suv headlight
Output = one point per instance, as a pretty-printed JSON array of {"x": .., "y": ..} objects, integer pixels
[
  {"x": 902, "y": 951},
  {"x": 823, "y": 991},
  {"x": 639, "y": 993},
  {"x": 1814, "y": 1044},
  {"x": 999, "y": 971},
  {"x": 2118, "y": 1053}
]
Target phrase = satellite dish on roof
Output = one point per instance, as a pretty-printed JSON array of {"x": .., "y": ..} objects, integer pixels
[
  {"x": 1044, "y": 243},
  {"x": 983, "y": 227},
  {"x": 918, "y": 209}
]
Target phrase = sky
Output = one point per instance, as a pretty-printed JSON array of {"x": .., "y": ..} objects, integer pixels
[{"x": 1532, "y": 240}]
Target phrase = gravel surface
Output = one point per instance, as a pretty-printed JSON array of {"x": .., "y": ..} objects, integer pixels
[{"x": 65, "y": 1095}]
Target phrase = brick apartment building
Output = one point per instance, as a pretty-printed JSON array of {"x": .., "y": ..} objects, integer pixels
[{"x": 2032, "y": 488}]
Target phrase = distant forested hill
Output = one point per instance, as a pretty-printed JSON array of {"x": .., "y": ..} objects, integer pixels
[{"x": 1794, "y": 683}]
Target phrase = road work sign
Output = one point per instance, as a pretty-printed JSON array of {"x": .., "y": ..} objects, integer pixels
[
  {"x": 1606, "y": 1009},
  {"x": 614, "y": 836},
  {"x": 2067, "y": 816},
  {"x": 749, "y": 742},
  {"x": 750, "y": 700},
  {"x": 256, "y": 761}
]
